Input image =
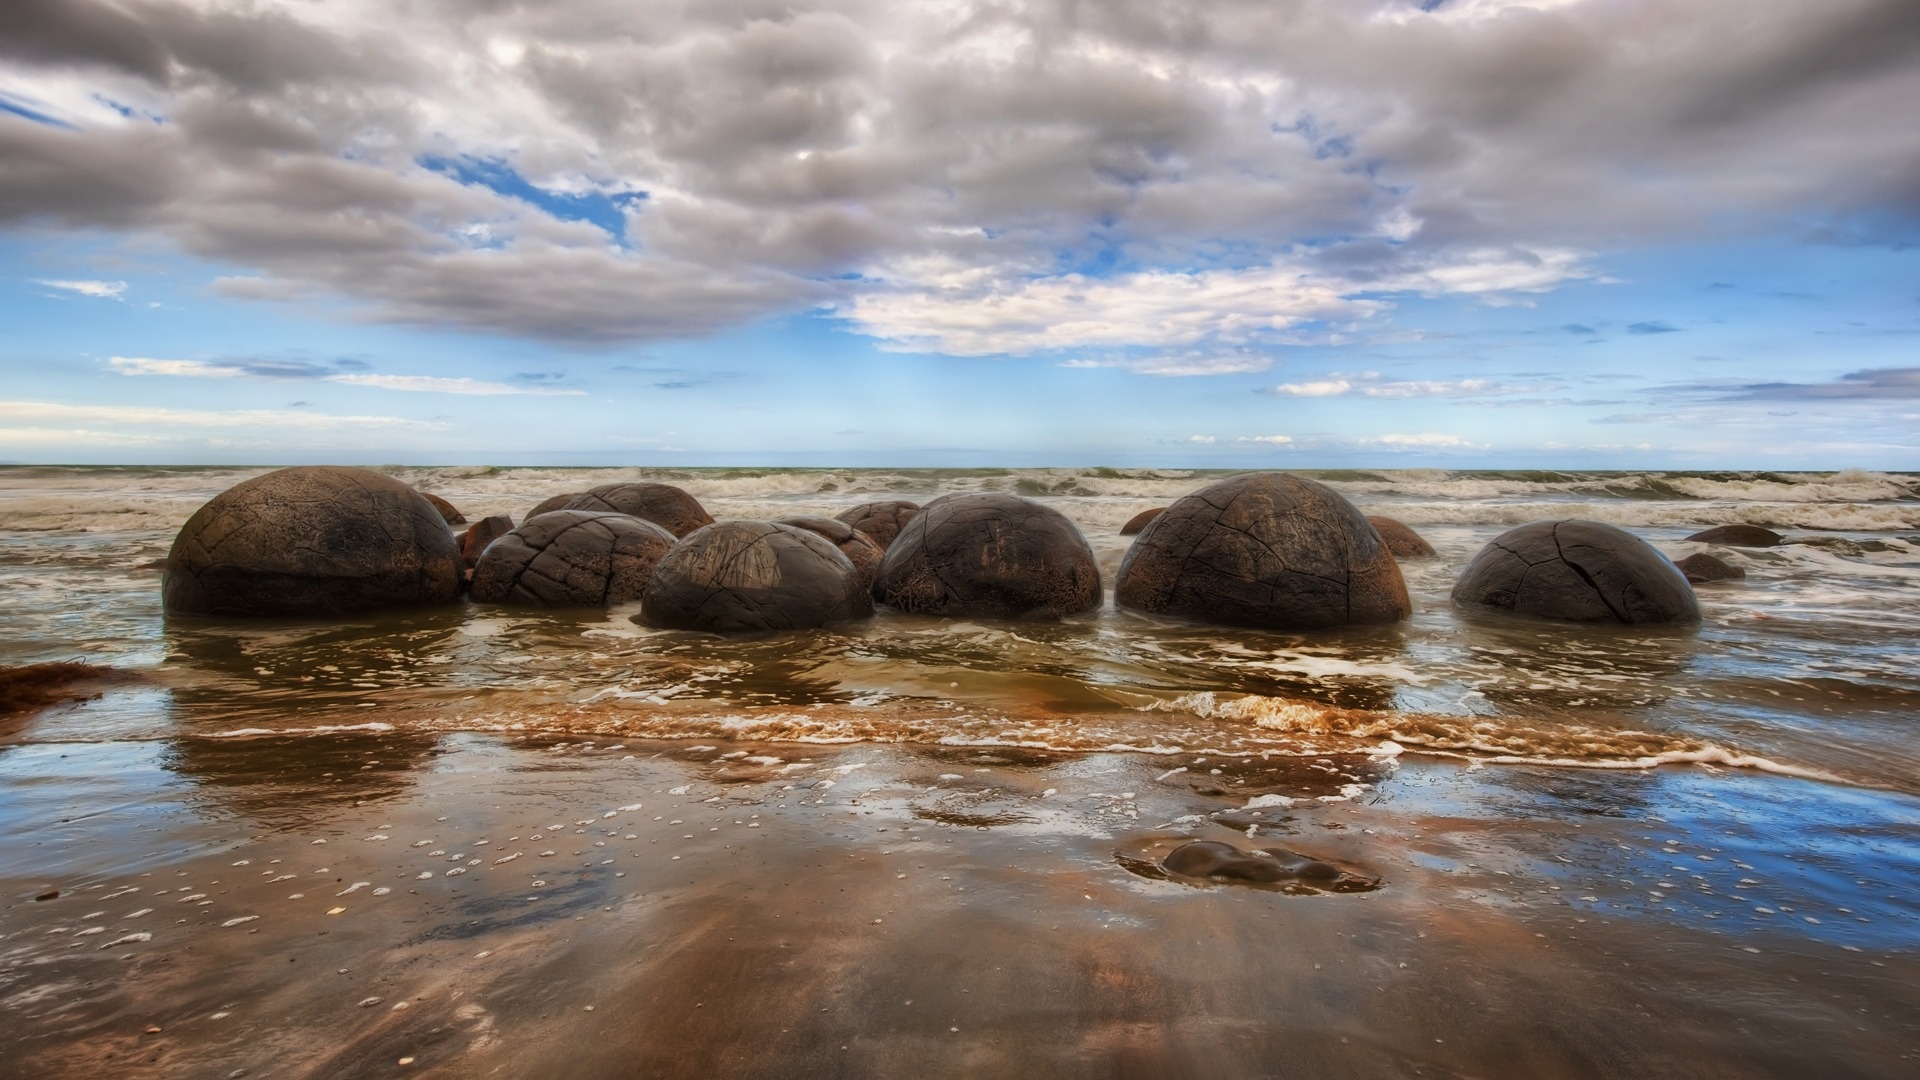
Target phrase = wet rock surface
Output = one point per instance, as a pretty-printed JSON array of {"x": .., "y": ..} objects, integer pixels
[
  {"x": 1140, "y": 521},
  {"x": 571, "y": 559},
  {"x": 312, "y": 540},
  {"x": 859, "y": 548},
  {"x": 447, "y": 510},
  {"x": 1738, "y": 536},
  {"x": 1582, "y": 571},
  {"x": 880, "y": 520},
  {"x": 1400, "y": 539},
  {"x": 750, "y": 576},
  {"x": 481, "y": 533},
  {"x": 1267, "y": 550},
  {"x": 1214, "y": 862},
  {"x": 663, "y": 504},
  {"x": 1701, "y": 568},
  {"x": 557, "y": 502},
  {"x": 990, "y": 555}
]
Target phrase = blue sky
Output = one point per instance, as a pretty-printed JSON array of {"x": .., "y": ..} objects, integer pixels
[{"x": 806, "y": 236}]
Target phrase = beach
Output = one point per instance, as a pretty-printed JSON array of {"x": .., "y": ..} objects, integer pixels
[{"x": 469, "y": 840}]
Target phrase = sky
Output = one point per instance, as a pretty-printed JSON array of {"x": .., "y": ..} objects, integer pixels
[{"x": 1245, "y": 233}]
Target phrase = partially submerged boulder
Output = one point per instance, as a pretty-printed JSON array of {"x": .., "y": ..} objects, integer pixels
[
  {"x": 992, "y": 555},
  {"x": 748, "y": 576},
  {"x": 479, "y": 534},
  {"x": 1582, "y": 571},
  {"x": 1738, "y": 536},
  {"x": 1401, "y": 540},
  {"x": 1140, "y": 521},
  {"x": 571, "y": 559},
  {"x": 859, "y": 548},
  {"x": 663, "y": 504},
  {"x": 447, "y": 509},
  {"x": 1268, "y": 550},
  {"x": 1701, "y": 568},
  {"x": 880, "y": 520},
  {"x": 312, "y": 540}
]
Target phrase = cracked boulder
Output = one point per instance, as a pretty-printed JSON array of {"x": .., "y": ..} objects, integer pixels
[
  {"x": 990, "y": 555},
  {"x": 1401, "y": 540},
  {"x": 1268, "y": 550},
  {"x": 751, "y": 576},
  {"x": 859, "y": 548},
  {"x": 1582, "y": 571},
  {"x": 571, "y": 559},
  {"x": 557, "y": 502},
  {"x": 663, "y": 504},
  {"x": 880, "y": 520},
  {"x": 312, "y": 540}
]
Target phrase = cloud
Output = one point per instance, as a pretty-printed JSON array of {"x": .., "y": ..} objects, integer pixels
[
  {"x": 1181, "y": 364},
  {"x": 100, "y": 290},
  {"x": 1651, "y": 328},
  {"x": 1318, "y": 388},
  {"x": 1372, "y": 384},
  {"x": 1203, "y": 440},
  {"x": 1271, "y": 440},
  {"x": 35, "y": 412},
  {"x": 299, "y": 369},
  {"x": 434, "y": 385},
  {"x": 1870, "y": 384}
]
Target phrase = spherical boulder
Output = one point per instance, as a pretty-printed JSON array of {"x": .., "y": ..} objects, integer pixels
[
  {"x": 1140, "y": 521},
  {"x": 663, "y": 504},
  {"x": 312, "y": 540},
  {"x": 748, "y": 576},
  {"x": 571, "y": 559},
  {"x": 858, "y": 547},
  {"x": 880, "y": 520},
  {"x": 992, "y": 555},
  {"x": 556, "y": 502},
  {"x": 473, "y": 543},
  {"x": 1401, "y": 540},
  {"x": 1738, "y": 536},
  {"x": 1701, "y": 568},
  {"x": 1581, "y": 571},
  {"x": 447, "y": 510},
  {"x": 1267, "y": 550}
]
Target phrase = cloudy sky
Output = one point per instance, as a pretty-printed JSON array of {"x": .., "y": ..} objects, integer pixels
[{"x": 1494, "y": 233}]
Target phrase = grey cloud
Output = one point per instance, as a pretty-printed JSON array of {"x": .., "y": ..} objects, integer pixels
[
  {"x": 1873, "y": 383},
  {"x": 1651, "y": 328}
]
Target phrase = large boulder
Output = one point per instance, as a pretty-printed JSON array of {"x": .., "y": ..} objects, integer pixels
[
  {"x": 1738, "y": 536},
  {"x": 1268, "y": 550},
  {"x": 992, "y": 555},
  {"x": 1401, "y": 540},
  {"x": 312, "y": 540},
  {"x": 552, "y": 503},
  {"x": 571, "y": 559},
  {"x": 479, "y": 534},
  {"x": 663, "y": 504},
  {"x": 747, "y": 576},
  {"x": 859, "y": 548},
  {"x": 880, "y": 520},
  {"x": 447, "y": 510},
  {"x": 1140, "y": 521},
  {"x": 1583, "y": 571}
]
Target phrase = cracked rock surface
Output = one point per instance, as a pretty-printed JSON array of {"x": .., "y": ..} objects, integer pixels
[
  {"x": 1401, "y": 540},
  {"x": 859, "y": 548},
  {"x": 1268, "y": 550},
  {"x": 880, "y": 520},
  {"x": 313, "y": 540},
  {"x": 571, "y": 559},
  {"x": 991, "y": 555},
  {"x": 663, "y": 504},
  {"x": 750, "y": 576},
  {"x": 1583, "y": 571}
]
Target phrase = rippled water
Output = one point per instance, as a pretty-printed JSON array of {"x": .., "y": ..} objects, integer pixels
[{"x": 1811, "y": 665}]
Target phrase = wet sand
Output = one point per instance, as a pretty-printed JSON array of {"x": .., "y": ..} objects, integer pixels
[{"x": 888, "y": 911}]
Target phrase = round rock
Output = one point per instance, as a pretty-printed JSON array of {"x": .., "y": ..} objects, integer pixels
[
  {"x": 1140, "y": 521},
  {"x": 447, "y": 510},
  {"x": 880, "y": 520},
  {"x": 1583, "y": 571},
  {"x": 1738, "y": 536},
  {"x": 859, "y": 548},
  {"x": 1267, "y": 550},
  {"x": 747, "y": 576},
  {"x": 990, "y": 555},
  {"x": 571, "y": 559},
  {"x": 1401, "y": 540},
  {"x": 1701, "y": 568},
  {"x": 557, "y": 502},
  {"x": 312, "y": 540},
  {"x": 663, "y": 504}
]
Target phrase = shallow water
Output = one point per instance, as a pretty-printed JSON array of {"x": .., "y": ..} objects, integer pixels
[{"x": 1602, "y": 787}]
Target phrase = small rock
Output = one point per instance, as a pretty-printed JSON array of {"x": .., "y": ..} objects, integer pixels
[{"x": 1701, "y": 568}]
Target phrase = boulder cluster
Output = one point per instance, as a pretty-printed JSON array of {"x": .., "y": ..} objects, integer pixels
[{"x": 1263, "y": 550}]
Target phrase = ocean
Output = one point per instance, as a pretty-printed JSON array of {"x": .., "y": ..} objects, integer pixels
[{"x": 1598, "y": 850}]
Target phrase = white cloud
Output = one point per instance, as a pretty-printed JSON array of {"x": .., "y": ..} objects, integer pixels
[
  {"x": 1181, "y": 365},
  {"x": 1271, "y": 440},
  {"x": 53, "y": 412},
  {"x": 429, "y": 384},
  {"x": 1372, "y": 384},
  {"x": 1425, "y": 440},
  {"x": 99, "y": 290},
  {"x": 45, "y": 436},
  {"x": 1320, "y": 388},
  {"x": 192, "y": 369},
  {"x": 1203, "y": 440}
]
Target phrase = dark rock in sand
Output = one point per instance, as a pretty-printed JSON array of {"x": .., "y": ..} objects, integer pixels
[
  {"x": 1701, "y": 568},
  {"x": 557, "y": 502},
  {"x": 481, "y": 533},
  {"x": 747, "y": 576},
  {"x": 571, "y": 559},
  {"x": 447, "y": 510},
  {"x": 1401, "y": 540},
  {"x": 991, "y": 555},
  {"x": 880, "y": 520},
  {"x": 312, "y": 540},
  {"x": 1215, "y": 861},
  {"x": 859, "y": 548},
  {"x": 1738, "y": 536},
  {"x": 663, "y": 504},
  {"x": 1140, "y": 520},
  {"x": 1582, "y": 571},
  {"x": 1267, "y": 550}
]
